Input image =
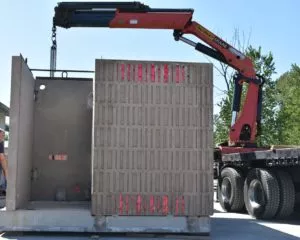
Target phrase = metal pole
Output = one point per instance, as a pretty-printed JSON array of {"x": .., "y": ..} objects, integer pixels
[{"x": 53, "y": 52}]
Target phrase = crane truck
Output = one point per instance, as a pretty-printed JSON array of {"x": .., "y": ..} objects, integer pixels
[{"x": 264, "y": 181}]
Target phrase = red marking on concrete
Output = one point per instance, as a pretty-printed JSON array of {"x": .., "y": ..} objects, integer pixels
[
  {"x": 146, "y": 72},
  {"x": 152, "y": 72},
  {"x": 127, "y": 204},
  {"x": 120, "y": 204},
  {"x": 183, "y": 73},
  {"x": 166, "y": 73},
  {"x": 159, "y": 73},
  {"x": 138, "y": 204},
  {"x": 176, "y": 206},
  {"x": 135, "y": 73},
  {"x": 152, "y": 206},
  {"x": 182, "y": 205},
  {"x": 117, "y": 72},
  {"x": 179, "y": 205},
  {"x": 58, "y": 157},
  {"x": 177, "y": 74},
  {"x": 142, "y": 205},
  {"x": 165, "y": 205},
  {"x": 128, "y": 72},
  {"x": 123, "y": 71},
  {"x": 77, "y": 188},
  {"x": 140, "y": 72},
  {"x": 158, "y": 207}
]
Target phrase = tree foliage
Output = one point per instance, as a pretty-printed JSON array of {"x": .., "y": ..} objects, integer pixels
[
  {"x": 288, "y": 92},
  {"x": 222, "y": 120}
]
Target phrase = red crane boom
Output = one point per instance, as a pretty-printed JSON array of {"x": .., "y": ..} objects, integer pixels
[{"x": 246, "y": 122}]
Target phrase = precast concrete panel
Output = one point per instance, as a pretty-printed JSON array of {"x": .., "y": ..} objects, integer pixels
[{"x": 152, "y": 151}]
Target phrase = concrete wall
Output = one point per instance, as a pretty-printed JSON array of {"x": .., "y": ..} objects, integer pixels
[
  {"x": 152, "y": 138},
  {"x": 21, "y": 134},
  {"x": 63, "y": 123}
]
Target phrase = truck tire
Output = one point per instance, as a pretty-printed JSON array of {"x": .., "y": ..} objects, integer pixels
[
  {"x": 261, "y": 193},
  {"x": 230, "y": 190},
  {"x": 287, "y": 194}
]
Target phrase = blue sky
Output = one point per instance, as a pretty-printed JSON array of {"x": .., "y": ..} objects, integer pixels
[{"x": 26, "y": 29}]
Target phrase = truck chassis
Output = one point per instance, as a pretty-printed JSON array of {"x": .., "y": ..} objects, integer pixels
[{"x": 265, "y": 183}]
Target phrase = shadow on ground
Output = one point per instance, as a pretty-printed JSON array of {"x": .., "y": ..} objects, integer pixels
[
  {"x": 242, "y": 226},
  {"x": 249, "y": 229}
]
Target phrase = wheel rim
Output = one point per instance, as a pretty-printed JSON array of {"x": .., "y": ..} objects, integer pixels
[
  {"x": 256, "y": 194},
  {"x": 226, "y": 189}
]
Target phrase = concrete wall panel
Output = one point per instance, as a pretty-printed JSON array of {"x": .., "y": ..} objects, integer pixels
[
  {"x": 63, "y": 122},
  {"x": 21, "y": 134},
  {"x": 152, "y": 138}
]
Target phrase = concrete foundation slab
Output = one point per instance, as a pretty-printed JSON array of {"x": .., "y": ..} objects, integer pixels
[
  {"x": 50, "y": 220},
  {"x": 75, "y": 219},
  {"x": 148, "y": 224}
]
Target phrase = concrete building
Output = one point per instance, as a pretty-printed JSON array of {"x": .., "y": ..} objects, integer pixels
[{"x": 72, "y": 168}]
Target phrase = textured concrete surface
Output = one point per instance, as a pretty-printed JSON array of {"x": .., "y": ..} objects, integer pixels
[
  {"x": 50, "y": 219},
  {"x": 150, "y": 224},
  {"x": 152, "y": 138},
  {"x": 21, "y": 129},
  {"x": 63, "y": 125}
]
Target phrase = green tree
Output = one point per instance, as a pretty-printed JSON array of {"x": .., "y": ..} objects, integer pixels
[
  {"x": 6, "y": 137},
  {"x": 222, "y": 120},
  {"x": 288, "y": 89},
  {"x": 264, "y": 65}
]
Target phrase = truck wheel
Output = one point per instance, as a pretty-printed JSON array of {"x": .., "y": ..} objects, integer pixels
[
  {"x": 287, "y": 194},
  {"x": 261, "y": 193},
  {"x": 230, "y": 190}
]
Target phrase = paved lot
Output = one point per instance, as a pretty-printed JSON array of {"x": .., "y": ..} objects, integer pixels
[
  {"x": 225, "y": 226},
  {"x": 242, "y": 226}
]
